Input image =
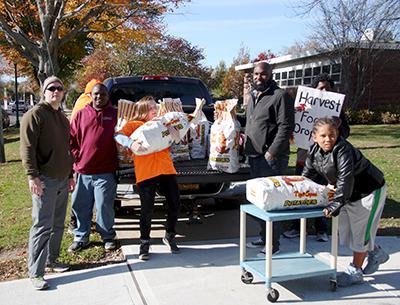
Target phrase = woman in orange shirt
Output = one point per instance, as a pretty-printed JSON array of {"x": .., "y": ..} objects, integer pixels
[{"x": 152, "y": 171}]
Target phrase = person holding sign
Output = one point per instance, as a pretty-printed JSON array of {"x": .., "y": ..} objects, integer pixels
[
  {"x": 269, "y": 126},
  {"x": 321, "y": 82},
  {"x": 358, "y": 198}
]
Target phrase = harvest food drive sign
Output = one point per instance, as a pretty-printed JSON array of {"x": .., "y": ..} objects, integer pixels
[{"x": 311, "y": 104}]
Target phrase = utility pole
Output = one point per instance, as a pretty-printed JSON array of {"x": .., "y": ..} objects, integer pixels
[
  {"x": 2, "y": 152},
  {"x": 16, "y": 97}
]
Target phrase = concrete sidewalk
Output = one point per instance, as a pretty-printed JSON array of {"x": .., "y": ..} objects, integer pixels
[
  {"x": 205, "y": 272},
  {"x": 107, "y": 285},
  {"x": 209, "y": 273}
]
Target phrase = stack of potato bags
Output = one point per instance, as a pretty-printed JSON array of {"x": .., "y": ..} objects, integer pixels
[
  {"x": 224, "y": 138},
  {"x": 124, "y": 114},
  {"x": 154, "y": 136}
]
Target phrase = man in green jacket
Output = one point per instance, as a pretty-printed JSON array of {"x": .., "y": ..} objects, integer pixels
[{"x": 45, "y": 154}]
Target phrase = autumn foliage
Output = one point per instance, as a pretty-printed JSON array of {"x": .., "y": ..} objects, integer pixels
[{"x": 52, "y": 36}]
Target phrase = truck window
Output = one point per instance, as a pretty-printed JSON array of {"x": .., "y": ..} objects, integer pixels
[{"x": 187, "y": 92}]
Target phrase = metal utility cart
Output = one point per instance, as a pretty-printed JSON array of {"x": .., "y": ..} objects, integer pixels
[{"x": 285, "y": 266}]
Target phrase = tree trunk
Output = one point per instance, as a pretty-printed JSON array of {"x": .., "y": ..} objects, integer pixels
[{"x": 48, "y": 65}]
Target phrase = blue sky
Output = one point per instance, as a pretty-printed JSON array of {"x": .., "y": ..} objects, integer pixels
[{"x": 221, "y": 27}]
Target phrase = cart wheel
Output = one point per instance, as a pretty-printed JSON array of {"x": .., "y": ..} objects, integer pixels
[
  {"x": 247, "y": 277},
  {"x": 333, "y": 285},
  {"x": 273, "y": 295}
]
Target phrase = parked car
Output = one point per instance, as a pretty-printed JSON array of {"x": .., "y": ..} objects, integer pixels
[
  {"x": 22, "y": 106},
  {"x": 6, "y": 118}
]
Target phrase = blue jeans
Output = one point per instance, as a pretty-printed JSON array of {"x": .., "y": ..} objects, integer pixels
[
  {"x": 48, "y": 216},
  {"x": 260, "y": 167},
  {"x": 98, "y": 189}
]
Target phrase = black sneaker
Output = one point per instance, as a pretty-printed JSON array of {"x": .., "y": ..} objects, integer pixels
[
  {"x": 169, "y": 240},
  {"x": 77, "y": 246},
  {"x": 262, "y": 252},
  {"x": 144, "y": 250}
]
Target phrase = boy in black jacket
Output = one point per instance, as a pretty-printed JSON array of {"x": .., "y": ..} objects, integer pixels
[{"x": 359, "y": 196}]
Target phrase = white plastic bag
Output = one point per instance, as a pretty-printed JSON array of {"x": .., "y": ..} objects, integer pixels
[
  {"x": 286, "y": 192},
  {"x": 198, "y": 137},
  {"x": 154, "y": 136},
  {"x": 224, "y": 138}
]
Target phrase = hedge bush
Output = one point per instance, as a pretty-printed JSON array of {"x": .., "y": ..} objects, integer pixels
[{"x": 383, "y": 115}]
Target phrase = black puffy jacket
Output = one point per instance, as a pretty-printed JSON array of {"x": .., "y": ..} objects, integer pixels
[{"x": 353, "y": 176}]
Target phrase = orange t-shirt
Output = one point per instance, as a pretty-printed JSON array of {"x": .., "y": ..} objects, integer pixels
[{"x": 151, "y": 165}]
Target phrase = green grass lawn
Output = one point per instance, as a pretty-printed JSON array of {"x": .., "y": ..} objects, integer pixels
[
  {"x": 379, "y": 143},
  {"x": 15, "y": 209}
]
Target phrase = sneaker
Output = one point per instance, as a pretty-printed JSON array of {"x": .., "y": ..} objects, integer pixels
[
  {"x": 261, "y": 254},
  {"x": 110, "y": 245},
  {"x": 322, "y": 237},
  {"x": 256, "y": 243},
  {"x": 77, "y": 246},
  {"x": 351, "y": 276},
  {"x": 375, "y": 258},
  {"x": 144, "y": 250},
  {"x": 39, "y": 283},
  {"x": 56, "y": 267},
  {"x": 293, "y": 233},
  {"x": 169, "y": 240}
]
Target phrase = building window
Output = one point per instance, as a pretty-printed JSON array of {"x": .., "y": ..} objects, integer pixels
[
  {"x": 284, "y": 83},
  {"x": 297, "y": 82},
  {"x": 291, "y": 74},
  {"x": 335, "y": 78},
  {"x": 326, "y": 69},
  {"x": 290, "y": 82},
  {"x": 336, "y": 68},
  {"x": 284, "y": 75},
  {"x": 307, "y": 72},
  {"x": 299, "y": 73},
  {"x": 307, "y": 81},
  {"x": 316, "y": 71},
  {"x": 277, "y": 76}
]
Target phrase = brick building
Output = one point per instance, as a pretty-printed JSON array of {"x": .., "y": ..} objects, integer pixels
[{"x": 368, "y": 77}]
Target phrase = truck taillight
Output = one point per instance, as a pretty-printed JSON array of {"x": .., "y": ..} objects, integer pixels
[{"x": 155, "y": 77}]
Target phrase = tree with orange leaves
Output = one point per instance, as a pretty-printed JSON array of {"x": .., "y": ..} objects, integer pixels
[{"x": 46, "y": 33}]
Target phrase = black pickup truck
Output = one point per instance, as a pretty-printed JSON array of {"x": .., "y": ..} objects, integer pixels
[{"x": 195, "y": 181}]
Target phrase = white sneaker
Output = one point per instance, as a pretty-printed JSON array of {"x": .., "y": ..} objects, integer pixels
[
  {"x": 39, "y": 283},
  {"x": 293, "y": 233},
  {"x": 351, "y": 276},
  {"x": 258, "y": 243},
  {"x": 322, "y": 237}
]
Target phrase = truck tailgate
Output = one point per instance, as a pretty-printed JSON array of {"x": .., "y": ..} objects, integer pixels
[{"x": 195, "y": 171}]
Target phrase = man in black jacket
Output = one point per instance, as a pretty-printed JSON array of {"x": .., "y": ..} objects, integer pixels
[{"x": 269, "y": 126}]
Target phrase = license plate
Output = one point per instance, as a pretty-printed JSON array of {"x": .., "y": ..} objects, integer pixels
[{"x": 188, "y": 186}]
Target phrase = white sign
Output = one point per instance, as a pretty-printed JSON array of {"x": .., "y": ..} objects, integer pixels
[{"x": 311, "y": 104}]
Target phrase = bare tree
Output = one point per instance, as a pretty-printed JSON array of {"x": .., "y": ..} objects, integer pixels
[{"x": 357, "y": 31}]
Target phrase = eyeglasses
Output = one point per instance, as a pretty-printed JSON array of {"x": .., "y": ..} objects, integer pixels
[{"x": 52, "y": 89}]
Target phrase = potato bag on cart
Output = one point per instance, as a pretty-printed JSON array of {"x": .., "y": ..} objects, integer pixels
[{"x": 286, "y": 192}]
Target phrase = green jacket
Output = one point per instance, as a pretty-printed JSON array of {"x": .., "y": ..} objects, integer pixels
[{"x": 44, "y": 146}]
